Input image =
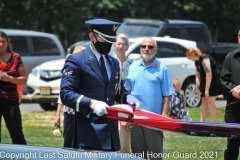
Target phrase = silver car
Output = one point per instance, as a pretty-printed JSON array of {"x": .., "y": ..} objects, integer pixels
[{"x": 34, "y": 47}]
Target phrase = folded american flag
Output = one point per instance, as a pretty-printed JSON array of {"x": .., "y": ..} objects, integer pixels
[
  {"x": 121, "y": 111},
  {"x": 125, "y": 112}
]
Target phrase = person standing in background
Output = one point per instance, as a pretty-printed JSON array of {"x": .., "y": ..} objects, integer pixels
[
  {"x": 121, "y": 46},
  {"x": 11, "y": 75},
  {"x": 68, "y": 122},
  {"x": 208, "y": 83},
  {"x": 149, "y": 81},
  {"x": 90, "y": 84},
  {"x": 178, "y": 102},
  {"x": 230, "y": 79}
]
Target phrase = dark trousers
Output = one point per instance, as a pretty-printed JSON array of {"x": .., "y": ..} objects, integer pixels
[
  {"x": 68, "y": 124},
  {"x": 232, "y": 115},
  {"x": 12, "y": 116}
]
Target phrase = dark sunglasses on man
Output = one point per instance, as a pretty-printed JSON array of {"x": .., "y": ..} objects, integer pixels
[{"x": 146, "y": 46}]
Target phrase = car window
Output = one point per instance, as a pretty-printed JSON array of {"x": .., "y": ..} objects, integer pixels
[
  {"x": 172, "y": 32},
  {"x": 44, "y": 46},
  {"x": 181, "y": 51},
  {"x": 195, "y": 34},
  {"x": 138, "y": 30},
  {"x": 79, "y": 43},
  {"x": 166, "y": 50},
  {"x": 136, "y": 50},
  {"x": 19, "y": 45}
]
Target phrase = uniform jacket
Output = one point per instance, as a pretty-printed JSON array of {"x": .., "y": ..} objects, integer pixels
[{"x": 82, "y": 81}]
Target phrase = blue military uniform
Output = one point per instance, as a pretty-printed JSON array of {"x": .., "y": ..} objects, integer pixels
[{"x": 82, "y": 81}]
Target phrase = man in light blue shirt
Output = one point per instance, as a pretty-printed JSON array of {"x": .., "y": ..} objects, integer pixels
[{"x": 149, "y": 81}]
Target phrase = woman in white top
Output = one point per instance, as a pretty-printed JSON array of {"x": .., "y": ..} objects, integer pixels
[{"x": 121, "y": 46}]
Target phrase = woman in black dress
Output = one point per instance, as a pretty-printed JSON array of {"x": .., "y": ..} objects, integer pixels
[{"x": 207, "y": 81}]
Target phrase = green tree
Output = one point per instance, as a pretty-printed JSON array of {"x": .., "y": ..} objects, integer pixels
[{"x": 66, "y": 18}]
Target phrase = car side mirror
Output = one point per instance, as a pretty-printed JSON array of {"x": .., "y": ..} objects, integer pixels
[{"x": 134, "y": 56}]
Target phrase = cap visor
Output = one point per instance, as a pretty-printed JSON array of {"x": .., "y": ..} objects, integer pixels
[{"x": 107, "y": 39}]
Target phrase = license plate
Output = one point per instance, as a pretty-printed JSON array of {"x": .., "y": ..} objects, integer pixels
[{"x": 45, "y": 90}]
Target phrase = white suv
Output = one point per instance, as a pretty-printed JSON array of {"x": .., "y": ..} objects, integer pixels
[{"x": 44, "y": 81}]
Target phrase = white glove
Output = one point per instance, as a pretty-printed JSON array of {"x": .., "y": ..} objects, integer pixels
[
  {"x": 133, "y": 101},
  {"x": 99, "y": 107}
]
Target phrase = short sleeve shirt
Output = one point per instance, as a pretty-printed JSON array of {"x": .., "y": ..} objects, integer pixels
[
  {"x": 149, "y": 84},
  {"x": 8, "y": 90}
]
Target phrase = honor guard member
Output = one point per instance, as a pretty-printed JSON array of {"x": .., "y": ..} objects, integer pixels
[{"x": 90, "y": 83}]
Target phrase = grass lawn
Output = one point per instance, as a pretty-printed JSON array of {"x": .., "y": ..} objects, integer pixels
[
  {"x": 178, "y": 145},
  {"x": 38, "y": 128}
]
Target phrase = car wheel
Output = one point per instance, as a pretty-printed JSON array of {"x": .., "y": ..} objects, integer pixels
[
  {"x": 48, "y": 106},
  {"x": 189, "y": 88}
]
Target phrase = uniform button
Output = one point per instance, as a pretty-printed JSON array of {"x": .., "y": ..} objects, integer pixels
[{"x": 107, "y": 99}]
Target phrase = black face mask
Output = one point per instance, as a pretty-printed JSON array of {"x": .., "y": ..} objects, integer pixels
[{"x": 102, "y": 47}]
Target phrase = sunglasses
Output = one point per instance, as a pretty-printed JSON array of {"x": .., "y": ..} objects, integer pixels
[{"x": 145, "y": 46}]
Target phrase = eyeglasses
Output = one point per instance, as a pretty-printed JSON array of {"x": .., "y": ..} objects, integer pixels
[{"x": 149, "y": 47}]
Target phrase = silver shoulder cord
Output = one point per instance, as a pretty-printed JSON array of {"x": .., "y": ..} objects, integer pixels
[{"x": 120, "y": 77}]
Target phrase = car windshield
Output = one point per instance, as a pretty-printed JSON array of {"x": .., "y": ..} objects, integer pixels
[
  {"x": 134, "y": 30},
  {"x": 79, "y": 43}
]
